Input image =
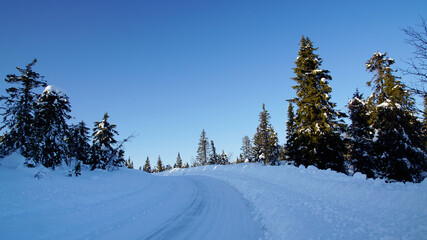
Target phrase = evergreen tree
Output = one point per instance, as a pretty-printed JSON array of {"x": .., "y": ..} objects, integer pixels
[
  {"x": 266, "y": 148},
  {"x": 425, "y": 123},
  {"x": 147, "y": 166},
  {"x": 178, "y": 161},
  {"x": 223, "y": 158},
  {"x": 213, "y": 158},
  {"x": 399, "y": 145},
  {"x": 239, "y": 159},
  {"x": 360, "y": 136},
  {"x": 103, "y": 153},
  {"x": 202, "y": 150},
  {"x": 186, "y": 165},
  {"x": 318, "y": 126},
  {"x": 51, "y": 128},
  {"x": 247, "y": 150},
  {"x": 129, "y": 163},
  {"x": 78, "y": 142},
  {"x": 160, "y": 167},
  {"x": 290, "y": 146},
  {"x": 18, "y": 115}
]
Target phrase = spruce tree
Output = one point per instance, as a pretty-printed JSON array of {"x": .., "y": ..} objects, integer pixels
[
  {"x": 360, "y": 136},
  {"x": 178, "y": 161},
  {"x": 202, "y": 150},
  {"x": 104, "y": 154},
  {"x": 18, "y": 114},
  {"x": 147, "y": 166},
  {"x": 50, "y": 128},
  {"x": 399, "y": 145},
  {"x": 247, "y": 150},
  {"x": 78, "y": 142},
  {"x": 129, "y": 163},
  {"x": 266, "y": 148},
  {"x": 213, "y": 158},
  {"x": 290, "y": 146},
  {"x": 223, "y": 158},
  {"x": 318, "y": 127},
  {"x": 160, "y": 167}
]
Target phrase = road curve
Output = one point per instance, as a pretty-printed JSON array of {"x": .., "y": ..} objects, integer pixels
[{"x": 216, "y": 211}]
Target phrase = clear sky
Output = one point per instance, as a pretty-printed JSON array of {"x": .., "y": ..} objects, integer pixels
[{"x": 167, "y": 69}]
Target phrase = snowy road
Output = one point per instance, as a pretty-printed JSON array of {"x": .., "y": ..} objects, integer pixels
[
  {"x": 216, "y": 211},
  {"x": 127, "y": 204}
]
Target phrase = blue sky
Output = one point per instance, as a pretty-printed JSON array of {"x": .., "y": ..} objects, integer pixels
[{"x": 167, "y": 69}]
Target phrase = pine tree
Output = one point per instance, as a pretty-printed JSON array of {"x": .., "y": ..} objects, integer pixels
[
  {"x": 50, "y": 128},
  {"x": 360, "y": 136},
  {"x": 147, "y": 166},
  {"x": 266, "y": 148},
  {"x": 160, "y": 167},
  {"x": 399, "y": 145},
  {"x": 186, "y": 165},
  {"x": 318, "y": 126},
  {"x": 78, "y": 142},
  {"x": 202, "y": 150},
  {"x": 247, "y": 154},
  {"x": 178, "y": 161},
  {"x": 290, "y": 146},
  {"x": 213, "y": 158},
  {"x": 18, "y": 115},
  {"x": 103, "y": 153}
]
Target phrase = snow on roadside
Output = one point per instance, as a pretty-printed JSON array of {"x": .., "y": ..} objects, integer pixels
[
  {"x": 307, "y": 203},
  {"x": 124, "y": 204}
]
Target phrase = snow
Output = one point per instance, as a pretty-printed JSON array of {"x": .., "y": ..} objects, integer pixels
[
  {"x": 123, "y": 204},
  {"x": 241, "y": 201},
  {"x": 307, "y": 203},
  {"x": 55, "y": 89}
]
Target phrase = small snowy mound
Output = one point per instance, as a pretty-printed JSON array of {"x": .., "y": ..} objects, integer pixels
[{"x": 54, "y": 89}]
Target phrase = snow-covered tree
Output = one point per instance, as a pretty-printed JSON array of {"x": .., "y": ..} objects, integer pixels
[
  {"x": 104, "y": 153},
  {"x": 247, "y": 150},
  {"x": 266, "y": 147},
  {"x": 50, "y": 128},
  {"x": 360, "y": 135},
  {"x": 147, "y": 166},
  {"x": 78, "y": 142},
  {"x": 223, "y": 158},
  {"x": 18, "y": 110},
  {"x": 318, "y": 126},
  {"x": 178, "y": 161},
  {"x": 290, "y": 146},
  {"x": 399, "y": 144},
  {"x": 202, "y": 150}
]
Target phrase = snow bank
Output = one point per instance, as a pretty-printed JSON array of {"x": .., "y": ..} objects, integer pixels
[
  {"x": 124, "y": 204},
  {"x": 307, "y": 203}
]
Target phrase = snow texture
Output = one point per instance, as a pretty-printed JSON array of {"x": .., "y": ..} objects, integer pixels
[
  {"x": 124, "y": 204},
  {"x": 307, "y": 203}
]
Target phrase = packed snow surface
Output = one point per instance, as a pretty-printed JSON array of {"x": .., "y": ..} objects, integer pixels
[
  {"x": 307, "y": 203},
  {"x": 243, "y": 201},
  {"x": 124, "y": 204}
]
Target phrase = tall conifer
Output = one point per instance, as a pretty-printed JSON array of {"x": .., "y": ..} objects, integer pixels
[
  {"x": 360, "y": 136},
  {"x": 317, "y": 125},
  {"x": 266, "y": 147},
  {"x": 18, "y": 114},
  {"x": 399, "y": 145}
]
